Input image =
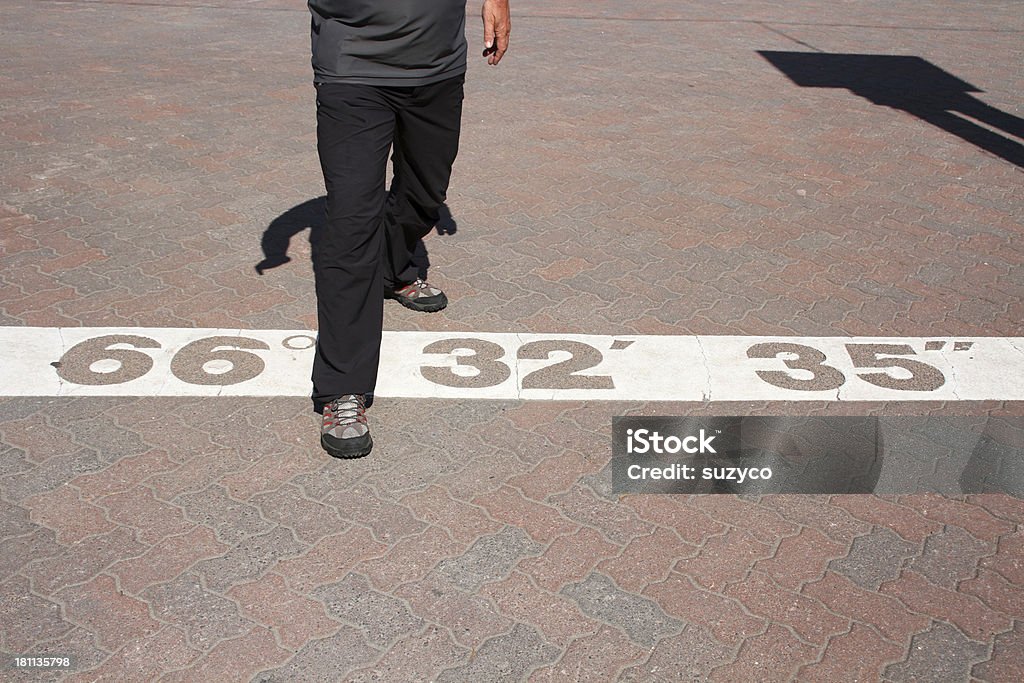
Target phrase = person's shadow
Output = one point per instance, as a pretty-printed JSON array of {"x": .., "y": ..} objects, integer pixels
[
  {"x": 913, "y": 85},
  {"x": 312, "y": 214}
]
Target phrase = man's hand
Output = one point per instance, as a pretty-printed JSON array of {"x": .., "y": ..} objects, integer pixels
[{"x": 497, "y": 27}]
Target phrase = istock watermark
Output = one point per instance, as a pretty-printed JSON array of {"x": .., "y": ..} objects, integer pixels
[{"x": 950, "y": 455}]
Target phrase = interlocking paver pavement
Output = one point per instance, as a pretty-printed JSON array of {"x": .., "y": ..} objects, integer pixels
[{"x": 630, "y": 168}]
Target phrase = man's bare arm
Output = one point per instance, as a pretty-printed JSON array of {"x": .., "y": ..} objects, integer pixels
[{"x": 497, "y": 28}]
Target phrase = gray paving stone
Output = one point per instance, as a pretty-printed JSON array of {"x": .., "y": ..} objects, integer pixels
[
  {"x": 874, "y": 558},
  {"x": 639, "y": 618},
  {"x": 249, "y": 558},
  {"x": 508, "y": 657},
  {"x": 204, "y": 616},
  {"x": 938, "y": 655},
  {"x": 231, "y": 520},
  {"x": 327, "y": 659},
  {"x": 950, "y": 556},
  {"x": 12, "y": 461},
  {"x": 381, "y": 617},
  {"x": 51, "y": 474},
  {"x": 689, "y": 656},
  {"x": 489, "y": 558}
]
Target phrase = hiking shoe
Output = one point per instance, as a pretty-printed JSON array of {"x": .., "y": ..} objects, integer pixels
[
  {"x": 418, "y": 295},
  {"x": 344, "y": 432}
]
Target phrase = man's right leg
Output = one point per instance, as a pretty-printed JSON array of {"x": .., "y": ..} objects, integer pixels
[{"x": 355, "y": 127}]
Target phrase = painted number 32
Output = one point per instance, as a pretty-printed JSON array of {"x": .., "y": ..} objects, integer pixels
[{"x": 480, "y": 365}]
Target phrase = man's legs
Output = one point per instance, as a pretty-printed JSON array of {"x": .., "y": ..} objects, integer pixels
[
  {"x": 355, "y": 127},
  {"x": 426, "y": 143}
]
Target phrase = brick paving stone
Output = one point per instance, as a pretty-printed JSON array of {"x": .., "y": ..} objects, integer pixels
[
  {"x": 249, "y": 558},
  {"x": 808, "y": 617},
  {"x": 234, "y": 659},
  {"x": 641, "y": 619},
  {"x": 568, "y": 558},
  {"x": 267, "y": 473},
  {"x": 205, "y": 617},
  {"x": 691, "y": 655},
  {"x": 905, "y": 521},
  {"x": 617, "y": 524},
  {"x": 462, "y": 521},
  {"x": 942, "y": 653},
  {"x": 552, "y": 475},
  {"x": 152, "y": 519},
  {"x": 419, "y": 657},
  {"x": 142, "y": 658},
  {"x": 542, "y": 522},
  {"x": 966, "y": 612},
  {"x": 168, "y": 558},
  {"x": 1008, "y": 559},
  {"x": 388, "y": 520},
  {"x": 78, "y": 643},
  {"x": 64, "y": 511},
  {"x": 1006, "y": 663},
  {"x": 294, "y": 618},
  {"x": 309, "y": 519},
  {"x": 51, "y": 474},
  {"x": 759, "y": 521},
  {"x": 870, "y": 561},
  {"x": 859, "y": 655},
  {"x": 996, "y": 592},
  {"x": 82, "y": 561},
  {"x": 974, "y": 519},
  {"x": 411, "y": 559},
  {"x": 950, "y": 556},
  {"x": 775, "y": 654},
  {"x": 506, "y": 657},
  {"x": 470, "y": 618},
  {"x": 18, "y": 551},
  {"x": 230, "y": 519},
  {"x": 646, "y": 559},
  {"x": 886, "y": 614},
  {"x": 382, "y": 617},
  {"x": 724, "y": 617},
  {"x": 724, "y": 559},
  {"x": 593, "y": 658},
  {"x": 324, "y": 659},
  {"x": 489, "y": 559},
  {"x": 193, "y": 475},
  {"x": 27, "y": 618},
  {"x": 123, "y": 475},
  {"x": 815, "y": 512},
  {"x": 801, "y": 558},
  {"x": 558, "y": 618},
  {"x": 330, "y": 559},
  {"x": 673, "y": 512},
  {"x": 115, "y": 618}
]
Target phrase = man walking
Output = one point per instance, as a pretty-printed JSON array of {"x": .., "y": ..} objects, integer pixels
[{"x": 389, "y": 75}]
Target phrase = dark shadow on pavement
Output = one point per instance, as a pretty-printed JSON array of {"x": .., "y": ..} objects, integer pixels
[
  {"x": 913, "y": 85},
  {"x": 312, "y": 214},
  {"x": 278, "y": 235}
]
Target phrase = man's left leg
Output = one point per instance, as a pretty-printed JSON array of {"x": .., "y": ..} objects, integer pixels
[{"x": 425, "y": 147}]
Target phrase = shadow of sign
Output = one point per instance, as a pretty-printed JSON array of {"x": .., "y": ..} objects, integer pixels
[{"x": 913, "y": 85}]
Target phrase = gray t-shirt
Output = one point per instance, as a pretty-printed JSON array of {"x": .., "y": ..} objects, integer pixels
[{"x": 388, "y": 42}]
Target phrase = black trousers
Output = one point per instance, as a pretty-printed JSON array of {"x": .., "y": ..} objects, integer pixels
[{"x": 371, "y": 234}]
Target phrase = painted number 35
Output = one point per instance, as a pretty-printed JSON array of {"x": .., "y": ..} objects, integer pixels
[{"x": 916, "y": 375}]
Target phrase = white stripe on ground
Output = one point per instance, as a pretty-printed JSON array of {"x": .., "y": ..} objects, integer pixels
[{"x": 46, "y": 361}]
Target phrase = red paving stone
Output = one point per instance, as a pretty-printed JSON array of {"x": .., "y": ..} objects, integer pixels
[{"x": 658, "y": 176}]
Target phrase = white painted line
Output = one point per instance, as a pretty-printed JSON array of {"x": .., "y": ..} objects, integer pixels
[{"x": 82, "y": 361}]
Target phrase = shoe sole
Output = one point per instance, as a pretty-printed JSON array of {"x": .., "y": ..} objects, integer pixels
[
  {"x": 422, "y": 308},
  {"x": 346, "y": 453}
]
